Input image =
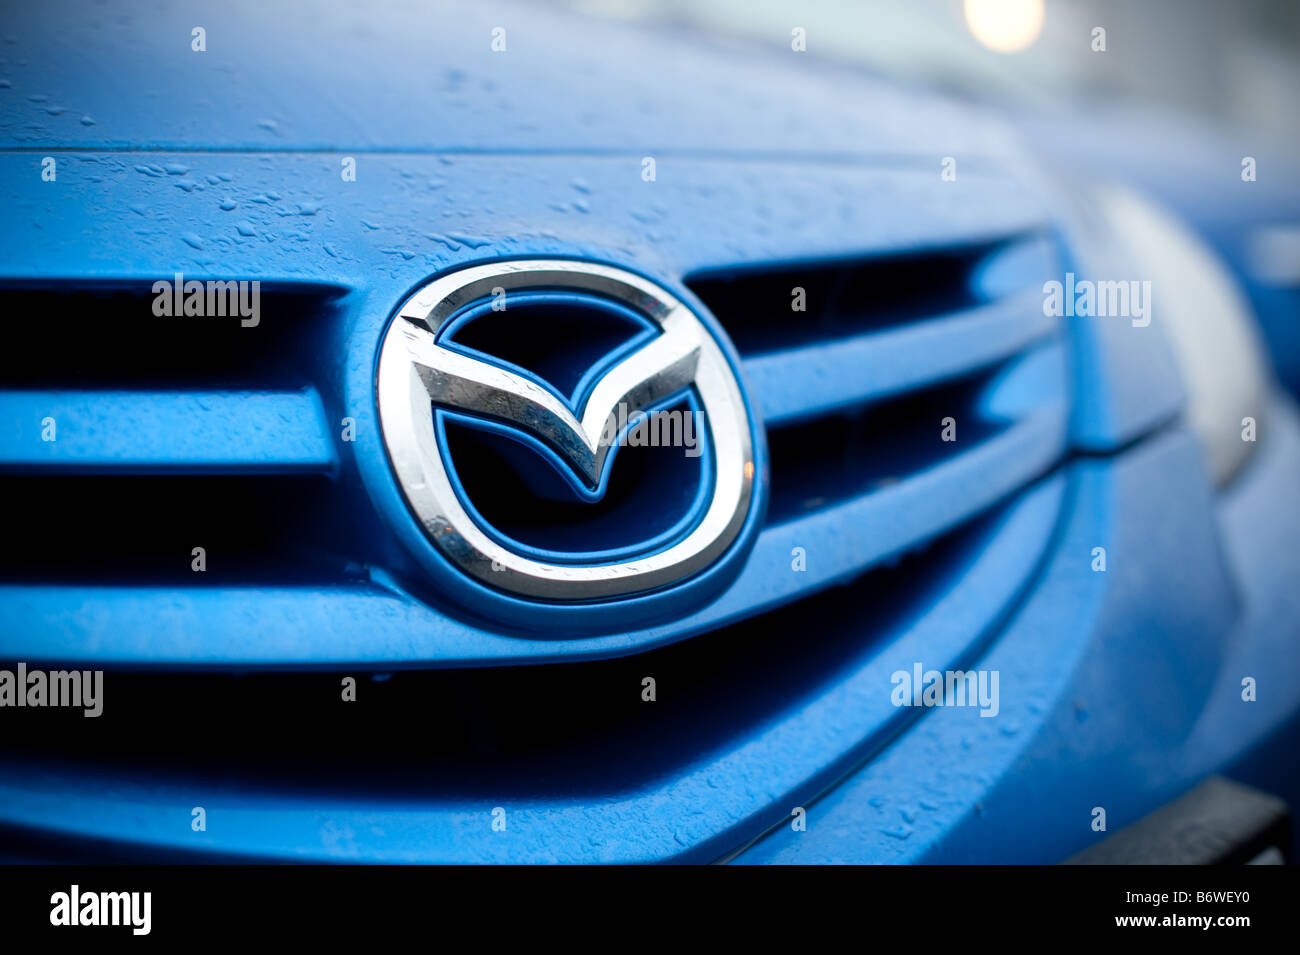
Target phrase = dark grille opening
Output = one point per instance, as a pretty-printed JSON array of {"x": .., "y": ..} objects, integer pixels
[
  {"x": 833, "y": 458},
  {"x": 572, "y": 729},
  {"x": 651, "y": 491},
  {"x": 142, "y": 529},
  {"x": 75, "y": 335},
  {"x": 846, "y": 297},
  {"x": 558, "y": 336}
]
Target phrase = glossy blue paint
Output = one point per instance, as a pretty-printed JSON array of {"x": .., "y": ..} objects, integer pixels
[
  {"x": 832, "y": 374},
  {"x": 1118, "y": 688},
  {"x": 382, "y": 236},
  {"x": 415, "y": 80},
  {"x": 166, "y": 432},
  {"x": 380, "y": 626},
  {"x": 1114, "y": 707},
  {"x": 718, "y": 799}
]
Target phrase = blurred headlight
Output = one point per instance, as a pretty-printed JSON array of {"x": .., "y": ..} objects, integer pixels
[{"x": 1208, "y": 322}]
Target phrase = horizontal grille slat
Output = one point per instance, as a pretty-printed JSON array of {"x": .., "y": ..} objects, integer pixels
[
  {"x": 778, "y": 306},
  {"x": 713, "y": 766},
  {"x": 848, "y": 457},
  {"x": 819, "y": 336},
  {"x": 165, "y": 432},
  {"x": 803, "y": 382},
  {"x": 135, "y": 436},
  {"x": 378, "y": 623},
  {"x": 853, "y": 413}
]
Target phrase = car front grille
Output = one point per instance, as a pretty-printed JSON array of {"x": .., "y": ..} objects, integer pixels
[{"x": 880, "y": 534}]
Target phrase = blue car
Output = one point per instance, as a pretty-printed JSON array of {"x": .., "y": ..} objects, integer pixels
[{"x": 539, "y": 434}]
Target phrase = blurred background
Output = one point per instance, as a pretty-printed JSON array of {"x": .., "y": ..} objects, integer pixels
[{"x": 1227, "y": 63}]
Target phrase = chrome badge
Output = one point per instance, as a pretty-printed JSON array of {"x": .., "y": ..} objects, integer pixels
[{"x": 422, "y": 373}]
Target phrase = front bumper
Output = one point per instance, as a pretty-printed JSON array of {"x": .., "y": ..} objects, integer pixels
[{"x": 1119, "y": 690}]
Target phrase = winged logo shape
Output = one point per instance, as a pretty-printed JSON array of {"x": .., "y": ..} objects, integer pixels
[{"x": 461, "y": 382}]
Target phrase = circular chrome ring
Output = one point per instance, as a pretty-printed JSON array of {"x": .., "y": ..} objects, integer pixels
[{"x": 416, "y": 372}]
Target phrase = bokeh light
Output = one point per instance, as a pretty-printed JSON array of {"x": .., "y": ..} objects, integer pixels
[{"x": 1005, "y": 26}]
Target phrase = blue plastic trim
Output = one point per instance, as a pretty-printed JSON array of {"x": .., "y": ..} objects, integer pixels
[
  {"x": 805, "y": 382},
  {"x": 166, "y": 432},
  {"x": 404, "y": 219},
  {"x": 720, "y": 799},
  {"x": 381, "y": 627},
  {"x": 1119, "y": 689}
]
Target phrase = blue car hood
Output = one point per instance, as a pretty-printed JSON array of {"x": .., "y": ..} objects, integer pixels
[{"x": 418, "y": 79}]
